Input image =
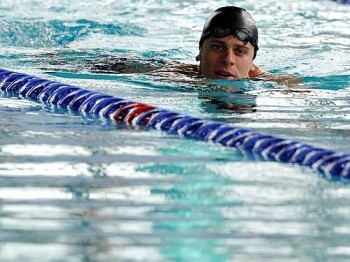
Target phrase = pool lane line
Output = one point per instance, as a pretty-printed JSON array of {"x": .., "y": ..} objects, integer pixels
[{"x": 266, "y": 147}]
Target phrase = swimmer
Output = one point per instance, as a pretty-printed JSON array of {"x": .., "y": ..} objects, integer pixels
[
  {"x": 227, "y": 48},
  {"x": 229, "y": 45}
]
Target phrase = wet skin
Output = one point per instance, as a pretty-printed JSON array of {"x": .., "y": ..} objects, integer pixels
[{"x": 226, "y": 58}]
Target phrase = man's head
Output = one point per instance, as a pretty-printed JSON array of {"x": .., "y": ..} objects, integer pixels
[{"x": 228, "y": 44}]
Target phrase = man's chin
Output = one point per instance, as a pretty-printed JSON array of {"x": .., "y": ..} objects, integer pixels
[{"x": 225, "y": 77}]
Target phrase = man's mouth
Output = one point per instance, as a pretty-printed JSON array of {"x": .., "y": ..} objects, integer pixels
[{"x": 224, "y": 75}]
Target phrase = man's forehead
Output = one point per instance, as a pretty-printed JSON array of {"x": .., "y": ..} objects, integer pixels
[{"x": 229, "y": 40}]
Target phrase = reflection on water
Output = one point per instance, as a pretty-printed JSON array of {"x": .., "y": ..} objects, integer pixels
[{"x": 206, "y": 208}]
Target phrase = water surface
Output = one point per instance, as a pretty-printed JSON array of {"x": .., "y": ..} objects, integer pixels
[{"x": 73, "y": 188}]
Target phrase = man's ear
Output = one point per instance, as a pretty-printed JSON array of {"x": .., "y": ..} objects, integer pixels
[{"x": 198, "y": 57}]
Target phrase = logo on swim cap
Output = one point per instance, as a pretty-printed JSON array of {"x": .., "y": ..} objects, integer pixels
[
  {"x": 251, "y": 21},
  {"x": 234, "y": 21}
]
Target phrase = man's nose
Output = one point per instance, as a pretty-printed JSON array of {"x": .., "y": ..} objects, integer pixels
[{"x": 229, "y": 57}]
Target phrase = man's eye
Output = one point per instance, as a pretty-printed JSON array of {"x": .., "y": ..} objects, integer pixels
[
  {"x": 241, "y": 51},
  {"x": 218, "y": 47}
]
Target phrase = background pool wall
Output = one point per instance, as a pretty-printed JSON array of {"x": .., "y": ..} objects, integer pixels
[{"x": 267, "y": 147}]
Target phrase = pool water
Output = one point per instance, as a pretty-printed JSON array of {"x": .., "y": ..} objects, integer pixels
[{"x": 76, "y": 188}]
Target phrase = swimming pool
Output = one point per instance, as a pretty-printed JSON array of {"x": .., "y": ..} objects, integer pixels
[{"x": 77, "y": 188}]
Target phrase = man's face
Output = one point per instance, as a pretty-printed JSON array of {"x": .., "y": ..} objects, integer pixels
[{"x": 225, "y": 58}]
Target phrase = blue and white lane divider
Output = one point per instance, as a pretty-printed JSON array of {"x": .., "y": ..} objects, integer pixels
[{"x": 330, "y": 163}]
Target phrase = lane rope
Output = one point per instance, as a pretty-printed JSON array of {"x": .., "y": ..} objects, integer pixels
[{"x": 264, "y": 146}]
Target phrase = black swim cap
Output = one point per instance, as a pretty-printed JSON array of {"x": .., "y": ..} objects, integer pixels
[{"x": 231, "y": 20}]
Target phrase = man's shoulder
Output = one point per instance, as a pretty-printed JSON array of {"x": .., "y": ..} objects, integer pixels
[
  {"x": 256, "y": 71},
  {"x": 189, "y": 70},
  {"x": 126, "y": 65}
]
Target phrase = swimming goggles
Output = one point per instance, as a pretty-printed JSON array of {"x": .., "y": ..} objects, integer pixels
[{"x": 240, "y": 33}]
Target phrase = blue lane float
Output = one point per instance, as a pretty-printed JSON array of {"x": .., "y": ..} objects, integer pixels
[
  {"x": 264, "y": 146},
  {"x": 342, "y": 1}
]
